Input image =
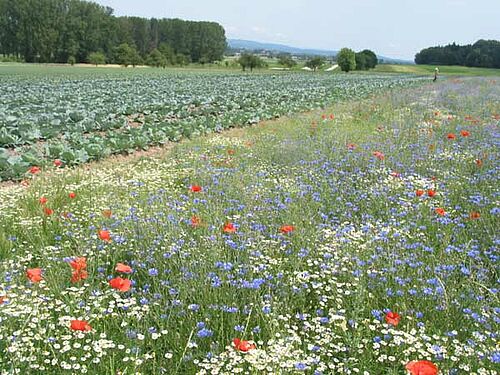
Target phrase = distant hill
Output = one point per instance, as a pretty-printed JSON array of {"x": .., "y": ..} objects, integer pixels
[{"x": 240, "y": 44}]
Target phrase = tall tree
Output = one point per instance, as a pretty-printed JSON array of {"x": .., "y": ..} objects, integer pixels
[
  {"x": 346, "y": 59},
  {"x": 55, "y": 30}
]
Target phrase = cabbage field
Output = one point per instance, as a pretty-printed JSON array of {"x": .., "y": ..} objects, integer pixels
[{"x": 79, "y": 115}]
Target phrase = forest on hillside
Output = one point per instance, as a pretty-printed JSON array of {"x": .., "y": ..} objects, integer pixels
[
  {"x": 482, "y": 54},
  {"x": 61, "y": 31}
]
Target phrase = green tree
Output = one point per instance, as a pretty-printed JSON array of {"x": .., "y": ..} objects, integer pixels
[
  {"x": 54, "y": 30},
  {"x": 123, "y": 54},
  {"x": 168, "y": 52},
  {"x": 156, "y": 59},
  {"x": 346, "y": 59},
  {"x": 96, "y": 58},
  {"x": 135, "y": 58},
  {"x": 181, "y": 59},
  {"x": 287, "y": 61},
  {"x": 249, "y": 60},
  {"x": 361, "y": 61},
  {"x": 371, "y": 58},
  {"x": 315, "y": 63}
]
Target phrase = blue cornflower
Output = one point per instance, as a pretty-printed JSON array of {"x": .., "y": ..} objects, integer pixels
[
  {"x": 204, "y": 332},
  {"x": 300, "y": 366}
]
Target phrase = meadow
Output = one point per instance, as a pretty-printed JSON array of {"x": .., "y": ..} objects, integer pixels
[
  {"x": 360, "y": 237},
  {"x": 428, "y": 70}
]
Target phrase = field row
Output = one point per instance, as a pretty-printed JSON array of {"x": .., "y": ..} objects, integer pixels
[{"x": 88, "y": 116}]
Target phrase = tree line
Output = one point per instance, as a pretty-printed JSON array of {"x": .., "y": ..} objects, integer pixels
[
  {"x": 347, "y": 59},
  {"x": 483, "y": 54},
  {"x": 62, "y": 31}
]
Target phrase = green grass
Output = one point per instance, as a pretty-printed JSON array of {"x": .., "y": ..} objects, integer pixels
[
  {"x": 312, "y": 299},
  {"x": 429, "y": 70}
]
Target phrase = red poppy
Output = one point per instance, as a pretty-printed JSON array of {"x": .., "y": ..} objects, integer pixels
[
  {"x": 104, "y": 235},
  {"x": 464, "y": 133},
  {"x": 419, "y": 192},
  {"x": 72, "y": 195},
  {"x": 451, "y": 136},
  {"x": 231, "y": 151},
  {"x": 496, "y": 117},
  {"x": 431, "y": 193},
  {"x": 440, "y": 211},
  {"x": 34, "y": 170},
  {"x": 474, "y": 215},
  {"x": 107, "y": 213},
  {"x": 379, "y": 155},
  {"x": 123, "y": 268},
  {"x": 479, "y": 162},
  {"x": 79, "y": 266},
  {"x": 323, "y": 117},
  {"x": 80, "y": 325},
  {"x": 58, "y": 163},
  {"x": 3, "y": 299},
  {"x": 47, "y": 211},
  {"x": 195, "y": 221},
  {"x": 43, "y": 200},
  {"x": 422, "y": 368},
  {"x": 351, "y": 146},
  {"x": 229, "y": 228},
  {"x": 243, "y": 345},
  {"x": 79, "y": 263},
  {"x": 395, "y": 174},
  {"x": 34, "y": 274},
  {"x": 77, "y": 276},
  {"x": 332, "y": 116},
  {"x": 392, "y": 318},
  {"x": 118, "y": 283},
  {"x": 285, "y": 229},
  {"x": 196, "y": 188}
]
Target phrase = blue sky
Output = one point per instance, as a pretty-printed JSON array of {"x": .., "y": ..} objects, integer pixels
[{"x": 395, "y": 28}]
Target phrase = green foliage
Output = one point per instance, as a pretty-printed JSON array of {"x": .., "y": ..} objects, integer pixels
[
  {"x": 346, "y": 59},
  {"x": 71, "y": 60},
  {"x": 156, "y": 59},
  {"x": 53, "y": 30},
  {"x": 482, "y": 54},
  {"x": 126, "y": 55},
  {"x": 371, "y": 58},
  {"x": 366, "y": 60},
  {"x": 361, "y": 62},
  {"x": 315, "y": 63},
  {"x": 181, "y": 59},
  {"x": 249, "y": 60},
  {"x": 97, "y": 58},
  {"x": 287, "y": 61}
]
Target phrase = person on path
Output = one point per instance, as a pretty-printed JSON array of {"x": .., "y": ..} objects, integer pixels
[{"x": 436, "y": 72}]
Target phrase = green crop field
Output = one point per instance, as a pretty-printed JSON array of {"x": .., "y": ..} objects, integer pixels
[{"x": 77, "y": 115}]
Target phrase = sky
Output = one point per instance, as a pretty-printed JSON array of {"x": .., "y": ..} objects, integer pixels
[{"x": 393, "y": 28}]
